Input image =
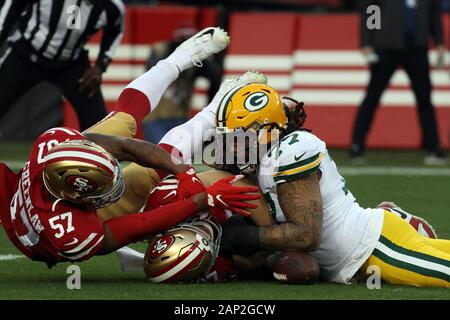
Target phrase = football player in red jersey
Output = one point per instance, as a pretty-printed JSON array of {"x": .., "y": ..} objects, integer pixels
[
  {"x": 166, "y": 193},
  {"x": 72, "y": 200}
]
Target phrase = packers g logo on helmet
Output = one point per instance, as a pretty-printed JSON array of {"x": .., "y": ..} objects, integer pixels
[
  {"x": 248, "y": 105},
  {"x": 256, "y": 101}
]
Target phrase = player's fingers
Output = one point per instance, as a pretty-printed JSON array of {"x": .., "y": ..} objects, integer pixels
[
  {"x": 243, "y": 189},
  {"x": 182, "y": 196},
  {"x": 85, "y": 85},
  {"x": 236, "y": 178},
  {"x": 235, "y": 204},
  {"x": 93, "y": 91},
  {"x": 240, "y": 196},
  {"x": 241, "y": 212},
  {"x": 226, "y": 180},
  {"x": 82, "y": 79}
]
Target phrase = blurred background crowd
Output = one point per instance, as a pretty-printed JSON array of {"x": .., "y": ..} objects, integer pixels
[{"x": 317, "y": 51}]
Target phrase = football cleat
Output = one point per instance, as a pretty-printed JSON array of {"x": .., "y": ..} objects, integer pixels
[
  {"x": 420, "y": 224},
  {"x": 247, "y": 78},
  {"x": 201, "y": 46}
]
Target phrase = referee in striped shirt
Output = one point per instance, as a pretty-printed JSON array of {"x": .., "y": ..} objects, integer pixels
[{"x": 44, "y": 40}]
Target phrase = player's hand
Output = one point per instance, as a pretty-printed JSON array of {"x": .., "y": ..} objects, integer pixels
[
  {"x": 369, "y": 54},
  {"x": 367, "y": 51},
  {"x": 90, "y": 81},
  {"x": 224, "y": 195},
  {"x": 239, "y": 237},
  {"x": 188, "y": 184}
]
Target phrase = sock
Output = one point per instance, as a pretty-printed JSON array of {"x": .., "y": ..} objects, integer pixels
[
  {"x": 181, "y": 59},
  {"x": 143, "y": 94}
]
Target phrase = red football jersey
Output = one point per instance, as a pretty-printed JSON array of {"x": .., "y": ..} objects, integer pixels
[{"x": 42, "y": 229}]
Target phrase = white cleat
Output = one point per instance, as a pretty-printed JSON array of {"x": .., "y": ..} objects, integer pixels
[
  {"x": 246, "y": 78},
  {"x": 200, "y": 46},
  {"x": 234, "y": 82}
]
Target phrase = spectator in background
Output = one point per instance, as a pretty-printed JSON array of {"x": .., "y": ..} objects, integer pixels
[
  {"x": 176, "y": 101},
  {"x": 406, "y": 26},
  {"x": 48, "y": 44}
]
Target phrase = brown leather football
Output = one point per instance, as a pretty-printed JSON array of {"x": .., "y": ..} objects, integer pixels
[{"x": 296, "y": 267}]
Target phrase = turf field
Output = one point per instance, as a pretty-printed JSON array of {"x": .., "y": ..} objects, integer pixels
[{"x": 396, "y": 176}]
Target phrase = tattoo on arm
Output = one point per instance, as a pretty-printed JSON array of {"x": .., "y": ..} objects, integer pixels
[{"x": 301, "y": 203}]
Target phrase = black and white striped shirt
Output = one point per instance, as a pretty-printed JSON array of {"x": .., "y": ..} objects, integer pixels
[{"x": 58, "y": 29}]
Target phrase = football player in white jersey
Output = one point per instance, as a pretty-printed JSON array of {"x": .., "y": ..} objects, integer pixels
[{"x": 307, "y": 196}]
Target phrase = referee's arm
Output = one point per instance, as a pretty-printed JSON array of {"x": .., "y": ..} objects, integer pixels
[
  {"x": 112, "y": 33},
  {"x": 10, "y": 11}
]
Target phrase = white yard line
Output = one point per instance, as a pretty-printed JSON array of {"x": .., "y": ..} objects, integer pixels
[{"x": 9, "y": 257}]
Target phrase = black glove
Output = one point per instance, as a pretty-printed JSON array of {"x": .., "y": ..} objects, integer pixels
[{"x": 238, "y": 237}]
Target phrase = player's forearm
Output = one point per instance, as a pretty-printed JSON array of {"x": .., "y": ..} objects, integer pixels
[
  {"x": 138, "y": 151},
  {"x": 301, "y": 202},
  {"x": 135, "y": 227},
  {"x": 11, "y": 11},
  {"x": 152, "y": 156},
  {"x": 288, "y": 236},
  {"x": 110, "y": 41}
]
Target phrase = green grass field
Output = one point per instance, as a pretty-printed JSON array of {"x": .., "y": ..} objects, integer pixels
[{"x": 425, "y": 192}]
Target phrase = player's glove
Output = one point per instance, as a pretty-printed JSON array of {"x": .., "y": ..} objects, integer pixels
[
  {"x": 188, "y": 184},
  {"x": 239, "y": 237},
  {"x": 224, "y": 195}
]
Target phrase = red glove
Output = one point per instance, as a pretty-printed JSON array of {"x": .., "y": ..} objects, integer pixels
[
  {"x": 188, "y": 185},
  {"x": 224, "y": 195}
]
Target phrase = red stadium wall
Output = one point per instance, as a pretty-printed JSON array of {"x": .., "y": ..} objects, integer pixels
[{"x": 312, "y": 57}]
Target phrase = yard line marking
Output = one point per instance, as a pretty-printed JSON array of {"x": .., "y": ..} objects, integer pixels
[
  {"x": 9, "y": 257},
  {"x": 394, "y": 171}
]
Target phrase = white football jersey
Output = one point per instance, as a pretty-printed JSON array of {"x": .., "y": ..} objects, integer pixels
[{"x": 349, "y": 232}]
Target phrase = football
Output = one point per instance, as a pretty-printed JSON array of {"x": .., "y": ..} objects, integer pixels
[{"x": 296, "y": 267}]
